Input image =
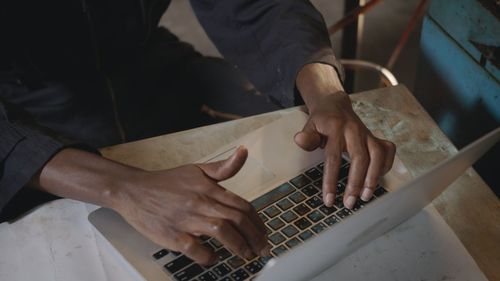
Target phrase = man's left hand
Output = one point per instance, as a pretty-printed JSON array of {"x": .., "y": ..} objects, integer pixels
[{"x": 334, "y": 126}]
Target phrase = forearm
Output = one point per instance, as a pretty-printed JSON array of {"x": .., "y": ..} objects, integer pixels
[
  {"x": 84, "y": 176},
  {"x": 317, "y": 80}
]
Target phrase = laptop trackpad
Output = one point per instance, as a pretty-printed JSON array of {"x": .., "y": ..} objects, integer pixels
[{"x": 247, "y": 182}]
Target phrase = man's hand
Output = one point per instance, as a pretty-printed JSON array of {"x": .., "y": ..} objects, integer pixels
[
  {"x": 175, "y": 206},
  {"x": 334, "y": 126},
  {"x": 171, "y": 207}
]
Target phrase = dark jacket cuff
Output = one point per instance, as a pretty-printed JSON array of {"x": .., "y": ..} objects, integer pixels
[{"x": 23, "y": 155}]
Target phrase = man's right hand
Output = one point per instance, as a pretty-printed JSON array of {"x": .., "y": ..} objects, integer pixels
[{"x": 173, "y": 207}]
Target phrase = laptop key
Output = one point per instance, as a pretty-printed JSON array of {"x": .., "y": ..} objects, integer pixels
[
  {"x": 331, "y": 220},
  {"x": 300, "y": 181},
  {"x": 254, "y": 267},
  {"x": 297, "y": 197},
  {"x": 301, "y": 209},
  {"x": 239, "y": 275},
  {"x": 284, "y": 204},
  {"x": 188, "y": 273},
  {"x": 315, "y": 216},
  {"x": 204, "y": 238},
  {"x": 318, "y": 184},
  {"x": 263, "y": 217},
  {"x": 279, "y": 250},
  {"x": 272, "y": 211},
  {"x": 340, "y": 188},
  {"x": 379, "y": 191},
  {"x": 235, "y": 262},
  {"x": 222, "y": 269},
  {"x": 343, "y": 172},
  {"x": 314, "y": 202},
  {"x": 276, "y": 223},
  {"x": 344, "y": 213},
  {"x": 321, "y": 167},
  {"x": 292, "y": 242},
  {"x": 289, "y": 216},
  {"x": 272, "y": 196},
  {"x": 306, "y": 235},
  {"x": 313, "y": 174},
  {"x": 215, "y": 243},
  {"x": 276, "y": 238},
  {"x": 310, "y": 190},
  {"x": 208, "y": 276},
  {"x": 223, "y": 254},
  {"x": 302, "y": 223},
  {"x": 178, "y": 264},
  {"x": 264, "y": 260},
  {"x": 327, "y": 210},
  {"x": 318, "y": 227},
  {"x": 358, "y": 205},
  {"x": 289, "y": 231},
  {"x": 208, "y": 245},
  {"x": 339, "y": 202},
  {"x": 226, "y": 279},
  {"x": 160, "y": 254}
]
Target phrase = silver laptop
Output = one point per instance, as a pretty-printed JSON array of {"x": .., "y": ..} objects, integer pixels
[{"x": 284, "y": 184}]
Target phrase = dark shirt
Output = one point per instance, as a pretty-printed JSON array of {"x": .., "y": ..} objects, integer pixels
[{"x": 48, "y": 46}]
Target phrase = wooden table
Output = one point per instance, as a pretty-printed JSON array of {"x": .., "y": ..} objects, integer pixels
[{"x": 468, "y": 206}]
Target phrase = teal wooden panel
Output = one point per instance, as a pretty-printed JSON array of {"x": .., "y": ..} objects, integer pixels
[
  {"x": 466, "y": 20},
  {"x": 469, "y": 82}
]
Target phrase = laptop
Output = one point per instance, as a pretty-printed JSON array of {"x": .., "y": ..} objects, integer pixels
[{"x": 283, "y": 183}]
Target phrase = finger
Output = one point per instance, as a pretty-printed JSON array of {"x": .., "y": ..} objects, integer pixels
[
  {"x": 232, "y": 200},
  {"x": 192, "y": 247},
  {"x": 221, "y": 230},
  {"x": 308, "y": 139},
  {"x": 390, "y": 153},
  {"x": 356, "y": 147},
  {"x": 375, "y": 168},
  {"x": 244, "y": 225},
  {"x": 333, "y": 161},
  {"x": 224, "y": 169}
]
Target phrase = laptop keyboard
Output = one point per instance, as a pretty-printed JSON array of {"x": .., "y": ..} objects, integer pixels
[{"x": 293, "y": 212}]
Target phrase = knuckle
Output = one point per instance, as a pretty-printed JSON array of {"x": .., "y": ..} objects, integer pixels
[
  {"x": 218, "y": 225},
  {"x": 193, "y": 201}
]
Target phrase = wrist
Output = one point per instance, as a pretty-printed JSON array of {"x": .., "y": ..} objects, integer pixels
[
  {"x": 317, "y": 80},
  {"x": 85, "y": 176}
]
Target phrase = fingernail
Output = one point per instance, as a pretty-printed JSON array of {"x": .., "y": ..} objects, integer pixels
[
  {"x": 329, "y": 199},
  {"x": 266, "y": 251},
  {"x": 350, "y": 201},
  {"x": 367, "y": 194}
]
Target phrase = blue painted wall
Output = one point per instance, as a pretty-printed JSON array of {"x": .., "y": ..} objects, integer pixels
[{"x": 458, "y": 87}]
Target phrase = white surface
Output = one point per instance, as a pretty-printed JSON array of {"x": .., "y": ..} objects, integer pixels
[
  {"x": 56, "y": 243},
  {"x": 422, "y": 248}
]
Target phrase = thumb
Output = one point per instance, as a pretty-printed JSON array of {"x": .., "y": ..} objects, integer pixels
[
  {"x": 308, "y": 139},
  {"x": 224, "y": 169}
]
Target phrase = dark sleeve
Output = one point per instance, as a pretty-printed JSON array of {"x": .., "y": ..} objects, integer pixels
[
  {"x": 24, "y": 150},
  {"x": 270, "y": 40}
]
